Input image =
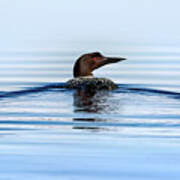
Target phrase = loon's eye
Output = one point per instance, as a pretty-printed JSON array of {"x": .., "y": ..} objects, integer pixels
[{"x": 94, "y": 58}]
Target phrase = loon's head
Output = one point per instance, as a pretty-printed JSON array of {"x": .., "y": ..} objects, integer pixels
[{"x": 87, "y": 63}]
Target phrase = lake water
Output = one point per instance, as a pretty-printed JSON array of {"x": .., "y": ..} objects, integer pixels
[{"x": 54, "y": 133}]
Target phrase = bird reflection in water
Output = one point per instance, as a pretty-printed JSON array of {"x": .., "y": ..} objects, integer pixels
[{"x": 90, "y": 102}]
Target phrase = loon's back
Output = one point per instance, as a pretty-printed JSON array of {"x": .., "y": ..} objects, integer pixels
[{"x": 91, "y": 83}]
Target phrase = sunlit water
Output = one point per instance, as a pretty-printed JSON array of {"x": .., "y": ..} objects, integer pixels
[{"x": 54, "y": 133}]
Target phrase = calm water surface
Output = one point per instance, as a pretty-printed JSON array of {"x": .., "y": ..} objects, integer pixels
[{"x": 52, "y": 133}]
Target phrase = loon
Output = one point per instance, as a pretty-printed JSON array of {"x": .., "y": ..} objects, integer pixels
[{"x": 82, "y": 72}]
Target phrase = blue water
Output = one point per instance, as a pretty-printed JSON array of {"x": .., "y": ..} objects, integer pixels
[{"x": 54, "y": 133}]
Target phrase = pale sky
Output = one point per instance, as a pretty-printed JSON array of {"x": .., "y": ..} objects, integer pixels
[{"x": 56, "y": 20}]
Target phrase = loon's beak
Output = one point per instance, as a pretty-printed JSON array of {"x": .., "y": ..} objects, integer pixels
[
  {"x": 107, "y": 60},
  {"x": 113, "y": 59}
]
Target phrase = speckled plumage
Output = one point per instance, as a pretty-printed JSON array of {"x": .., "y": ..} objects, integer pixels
[{"x": 91, "y": 83}]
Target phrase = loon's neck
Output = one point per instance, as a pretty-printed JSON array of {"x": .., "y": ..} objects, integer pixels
[{"x": 85, "y": 77}]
